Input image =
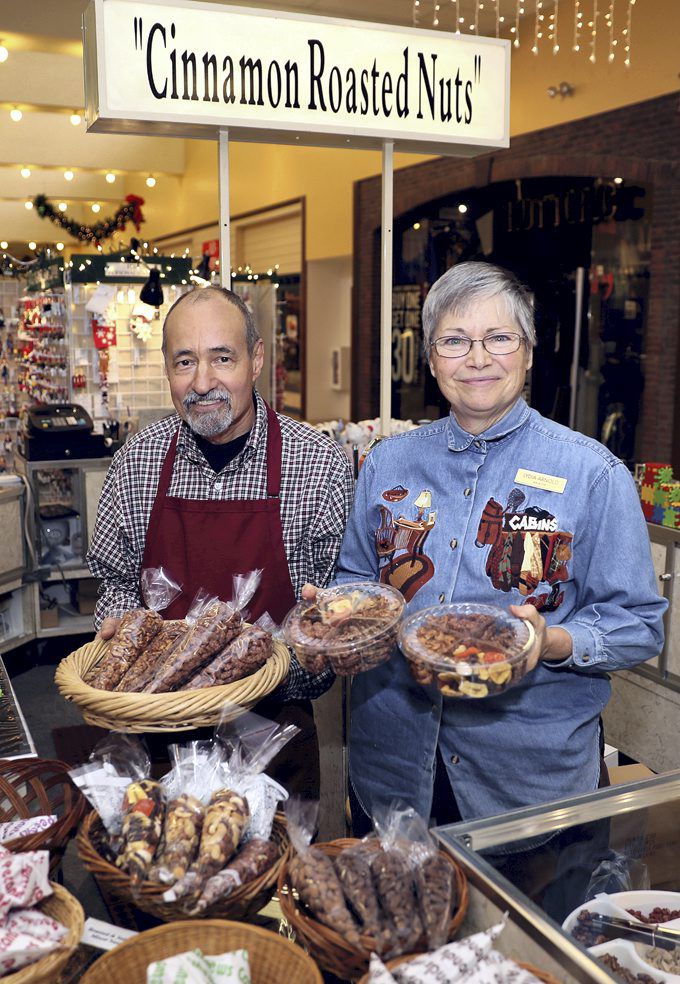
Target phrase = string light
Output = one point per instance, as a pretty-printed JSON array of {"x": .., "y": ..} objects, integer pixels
[
  {"x": 554, "y": 19},
  {"x": 456, "y": 15},
  {"x": 96, "y": 207},
  {"x": 416, "y": 12},
  {"x": 609, "y": 20},
  {"x": 62, "y": 206},
  {"x": 60, "y": 246},
  {"x": 110, "y": 177},
  {"x": 32, "y": 245},
  {"x": 28, "y": 205},
  {"x": 151, "y": 181},
  {"x": 435, "y": 15},
  {"x": 515, "y": 29},
  {"x": 593, "y": 33},
  {"x": 16, "y": 115},
  {"x": 578, "y": 25},
  {"x": 477, "y": 8},
  {"x": 4, "y": 244},
  {"x": 68, "y": 175},
  {"x": 538, "y": 34},
  {"x": 25, "y": 172},
  {"x": 628, "y": 33},
  {"x": 498, "y": 18}
]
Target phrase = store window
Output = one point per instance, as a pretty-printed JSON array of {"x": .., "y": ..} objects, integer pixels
[{"x": 582, "y": 244}]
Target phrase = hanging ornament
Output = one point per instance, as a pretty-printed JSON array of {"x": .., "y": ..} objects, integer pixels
[{"x": 103, "y": 335}]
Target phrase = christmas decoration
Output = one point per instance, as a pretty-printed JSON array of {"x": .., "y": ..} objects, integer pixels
[
  {"x": 103, "y": 335},
  {"x": 131, "y": 211},
  {"x": 546, "y": 24}
]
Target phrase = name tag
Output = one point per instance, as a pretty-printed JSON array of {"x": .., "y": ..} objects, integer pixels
[{"x": 537, "y": 480}]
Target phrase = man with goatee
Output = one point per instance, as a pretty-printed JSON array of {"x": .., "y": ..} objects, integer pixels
[{"x": 224, "y": 486}]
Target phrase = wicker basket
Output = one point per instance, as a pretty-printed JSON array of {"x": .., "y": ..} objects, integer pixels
[
  {"x": 540, "y": 975},
  {"x": 40, "y": 787},
  {"x": 243, "y": 903},
  {"x": 180, "y": 711},
  {"x": 273, "y": 959},
  {"x": 65, "y": 909},
  {"x": 330, "y": 950}
]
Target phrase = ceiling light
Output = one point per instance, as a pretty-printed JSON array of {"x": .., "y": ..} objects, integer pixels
[
  {"x": 32, "y": 245},
  {"x": 62, "y": 206},
  {"x": 4, "y": 53},
  {"x": 462, "y": 209},
  {"x": 110, "y": 177},
  {"x": 96, "y": 207},
  {"x": 25, "y": 172},
  {"x": 76, "y": 119},
  {"x": 68, "y": 175},
  {"x": 60, "y": 246},
  {"x": 416, "y": 225},
  {"x": 151, "y": 181},
  {"x": 4, "y": 244},
  {"x": 28, "y": 204},
  {"x": 618, "y": 181},
  {"x": 15, "y": 115}
]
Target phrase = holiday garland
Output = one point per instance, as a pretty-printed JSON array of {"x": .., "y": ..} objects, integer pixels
[{"x": 131, "y": 211}]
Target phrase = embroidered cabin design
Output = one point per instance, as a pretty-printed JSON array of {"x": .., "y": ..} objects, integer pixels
[{"x": 527, "y": 549}]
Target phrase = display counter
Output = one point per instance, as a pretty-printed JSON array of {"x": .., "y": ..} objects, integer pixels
[
  {"x": 542, "y": 864},
  {"x": 651, "y": 691}
]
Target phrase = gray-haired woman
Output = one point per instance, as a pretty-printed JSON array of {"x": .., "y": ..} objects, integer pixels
[{"x": 515, "y": 511}]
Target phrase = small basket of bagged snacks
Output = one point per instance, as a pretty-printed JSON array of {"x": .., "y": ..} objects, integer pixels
[
  {"x": 474, "y": 959},
  {"x": 40, "y": 808},
  {"x": 176, "y": 674},
  {"x": 40, "y": 922},
  {"x": 391, "y": 893},
  {"x": 467, "y": 650},
  {"x": 205, "y": 953},
  {"x": 348, "y": 628},
  {"x": 205, "y": 840}
]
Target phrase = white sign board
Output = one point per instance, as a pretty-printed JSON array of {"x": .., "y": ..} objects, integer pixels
[{"x": 190, "y": 69}]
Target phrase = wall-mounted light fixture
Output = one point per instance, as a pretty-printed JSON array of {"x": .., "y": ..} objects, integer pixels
[{"x": 562, "y": 90}]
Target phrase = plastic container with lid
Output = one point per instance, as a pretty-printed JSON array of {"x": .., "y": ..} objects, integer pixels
[
  {"x": 468, "y": 650},
  {"x": 349, "y": 628}
]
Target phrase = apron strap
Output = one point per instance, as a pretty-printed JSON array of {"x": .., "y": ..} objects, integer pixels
[
  {"x": 274, "y": 446},
  {"x": 166, "y": 470}
]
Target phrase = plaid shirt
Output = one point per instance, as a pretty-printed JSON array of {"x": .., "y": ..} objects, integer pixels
[{"x": 316, "y": 494}]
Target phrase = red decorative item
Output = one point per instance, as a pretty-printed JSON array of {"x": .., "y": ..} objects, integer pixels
[
  {"x": 137, "y": 216},
  {"x": 104, "y": 335}
]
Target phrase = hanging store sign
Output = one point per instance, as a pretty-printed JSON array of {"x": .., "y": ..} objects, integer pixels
[{"x": 192, "y": 68}]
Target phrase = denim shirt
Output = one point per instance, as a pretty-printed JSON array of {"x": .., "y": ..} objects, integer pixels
[{"x": 527, "y": 511}]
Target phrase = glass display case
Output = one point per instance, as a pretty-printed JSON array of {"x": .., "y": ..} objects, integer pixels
[{"x": 566, "y": 869}]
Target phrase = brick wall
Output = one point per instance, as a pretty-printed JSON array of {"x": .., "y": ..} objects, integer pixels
[{"x": 641, "y": 143}]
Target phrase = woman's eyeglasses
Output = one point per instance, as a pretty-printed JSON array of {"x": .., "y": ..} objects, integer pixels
[{"x": 456, "y": 346}]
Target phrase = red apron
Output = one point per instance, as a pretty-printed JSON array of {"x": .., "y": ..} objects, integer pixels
[{"x": 202, "y": 543}]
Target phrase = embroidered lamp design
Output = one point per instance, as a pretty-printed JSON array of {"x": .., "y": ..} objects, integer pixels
[{"x": 423, "y": 502}]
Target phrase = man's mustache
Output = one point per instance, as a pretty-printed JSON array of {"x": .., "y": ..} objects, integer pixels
[{"x": 192, "y": 399}]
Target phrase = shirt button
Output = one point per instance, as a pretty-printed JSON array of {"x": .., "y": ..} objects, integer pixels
[
  {"x": 453, "y": 544},
  {"x": 585, "y": 657},
  {"x": 478, "y": 444},
  {"x": 467, "y": 492},
  {"x": 442, "y": 598},
  {"x": 455, "y": 759}
]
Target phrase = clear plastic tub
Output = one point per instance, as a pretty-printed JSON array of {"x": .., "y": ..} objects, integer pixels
[
  {"x": 468, "y": 650},
  {"x": 349, "y": 628}
]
